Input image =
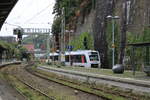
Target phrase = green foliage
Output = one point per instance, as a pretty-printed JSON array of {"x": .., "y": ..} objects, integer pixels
[
  {"x": 131, "y": 38},
  {"x": 140, "y": 53},
  {"x": 12, "y": 50},
  {"x": 146, "y": 35},
  {"x": 78, "y": 42},
  {"x": 3, "y": 45},
  {"x": 71, "y": 8},
  {"x": 56, "y": 27},
  {"x": 139, "y": 38},
  {"x": 8, "y": 48},
  {"x": 69, "y": 5}
]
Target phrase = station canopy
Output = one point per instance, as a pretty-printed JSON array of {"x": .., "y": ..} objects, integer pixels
[{"x": 5, "y": 8}]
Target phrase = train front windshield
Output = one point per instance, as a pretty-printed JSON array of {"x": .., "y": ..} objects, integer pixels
[{"x": 94, "y": 56}]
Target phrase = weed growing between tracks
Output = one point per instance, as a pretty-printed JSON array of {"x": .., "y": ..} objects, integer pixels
[
  {"x": 112, "y": 92},
  {"x": 9, "y": 75},
  {"x": 79, "y": 86},
  {"x": 22, "y": 76},
  {"x": 127, "y": 74},
  {"x": 23, "y": 89}
]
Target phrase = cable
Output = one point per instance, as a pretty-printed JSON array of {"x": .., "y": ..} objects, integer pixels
[
  {"x": 37, "y": 14},
  {"x": 11, "y": 24}
]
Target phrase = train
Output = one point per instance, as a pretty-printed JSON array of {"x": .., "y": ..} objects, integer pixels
[{"x": 82, "y": 58}]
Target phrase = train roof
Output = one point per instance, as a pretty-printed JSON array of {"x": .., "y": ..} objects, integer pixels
[
  {"x": 53, "y": 54},
  {"x": 73, "y": 52},
  {"x": 80, "y": 52}
]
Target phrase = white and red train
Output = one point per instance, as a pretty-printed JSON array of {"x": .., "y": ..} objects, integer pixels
[{"x": 83, "y": 58}]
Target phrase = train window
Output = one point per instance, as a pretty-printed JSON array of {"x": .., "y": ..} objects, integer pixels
[
  {"x": 67, "y": 58},
  {"x": 94, "y": 53},
  {"x": 78, "y": 58},
  {"x": 54, "y": 58},
  {"x": 93, "y": 58}
]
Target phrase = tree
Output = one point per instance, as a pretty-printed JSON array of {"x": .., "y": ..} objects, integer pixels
[
  {"x": 56, "y": 27},
  {"x": 103, "y": 9},
  {"x": 123, "y": 32}
]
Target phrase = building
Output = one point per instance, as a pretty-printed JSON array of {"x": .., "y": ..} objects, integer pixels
[
  {"x": 29, "y": 47},
  {"x": 9, "y": 39}
]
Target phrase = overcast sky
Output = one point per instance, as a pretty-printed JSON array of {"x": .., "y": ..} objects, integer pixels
[{"x": 29, "y": 14}]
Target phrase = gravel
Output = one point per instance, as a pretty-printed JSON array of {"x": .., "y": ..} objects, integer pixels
[{"x": 8, "y": 93}]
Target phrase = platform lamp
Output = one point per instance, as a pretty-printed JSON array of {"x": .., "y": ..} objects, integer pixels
[{"x": 113, "y": 18}]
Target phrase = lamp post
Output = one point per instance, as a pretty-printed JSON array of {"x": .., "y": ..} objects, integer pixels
[{"x": 113, "y": 18}]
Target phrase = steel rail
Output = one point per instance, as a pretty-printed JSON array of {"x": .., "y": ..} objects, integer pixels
[
  {"x": 105, "y": 91},
  {"x": 26, "y": 98},
  {"x": 50, "y": 80},
  {"x": 35, "y": 89},
  {"x": 28, "y": 85},
  {"x": 8, "y": 81}
]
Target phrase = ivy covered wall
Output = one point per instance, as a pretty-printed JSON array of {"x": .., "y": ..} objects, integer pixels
[{"x": 79, "y": 42}]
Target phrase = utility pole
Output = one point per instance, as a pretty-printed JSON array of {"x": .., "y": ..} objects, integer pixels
[
  {"x": 123, "y": 32},
  {"x": 48, "y": 45},
  {"x": 62, "y": 52},
  {"x": 53, "y": 46}
]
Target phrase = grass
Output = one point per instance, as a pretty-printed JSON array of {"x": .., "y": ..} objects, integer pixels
[
  {"x": 29, "y": 93},
  {"x": 81, "y": 86},
  {"x": 104, "y": 87}
]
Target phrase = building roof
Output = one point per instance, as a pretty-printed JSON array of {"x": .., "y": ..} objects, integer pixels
[
  {"x": 5, "y": 8},
  {"x": 29, "y": 47}
]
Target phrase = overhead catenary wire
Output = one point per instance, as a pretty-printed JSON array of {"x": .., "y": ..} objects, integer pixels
[
  {"x": 37, "y": 14},
  {"x": 12, "y": 24}
]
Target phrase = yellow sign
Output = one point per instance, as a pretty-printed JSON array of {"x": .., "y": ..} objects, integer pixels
[{"x": 113, "y": 46}]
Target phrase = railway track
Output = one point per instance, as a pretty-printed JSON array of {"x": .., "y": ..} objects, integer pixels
[
  {"x": 25, "y": 97},
  {"x": 30, "y": 87},
  {"x": 37, "y": 90},
  {"x": 98, "y": 89},
  {"x": 8, "y": 85},
  {"x": 122, "y": 93},
  {"x": 48, "y": 79},
  {"x": 40, "y": 85},
  {"x": 28, "y": 77},
  {"x": 10, "y": 82},
  {"x": 118, "y": 93}
]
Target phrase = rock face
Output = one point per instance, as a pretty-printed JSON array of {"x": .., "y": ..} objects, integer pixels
[
  {"x": 138, "y": 17},
  {"x": 138, "y": 14},
  {"x": 87, "y": 26}
]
